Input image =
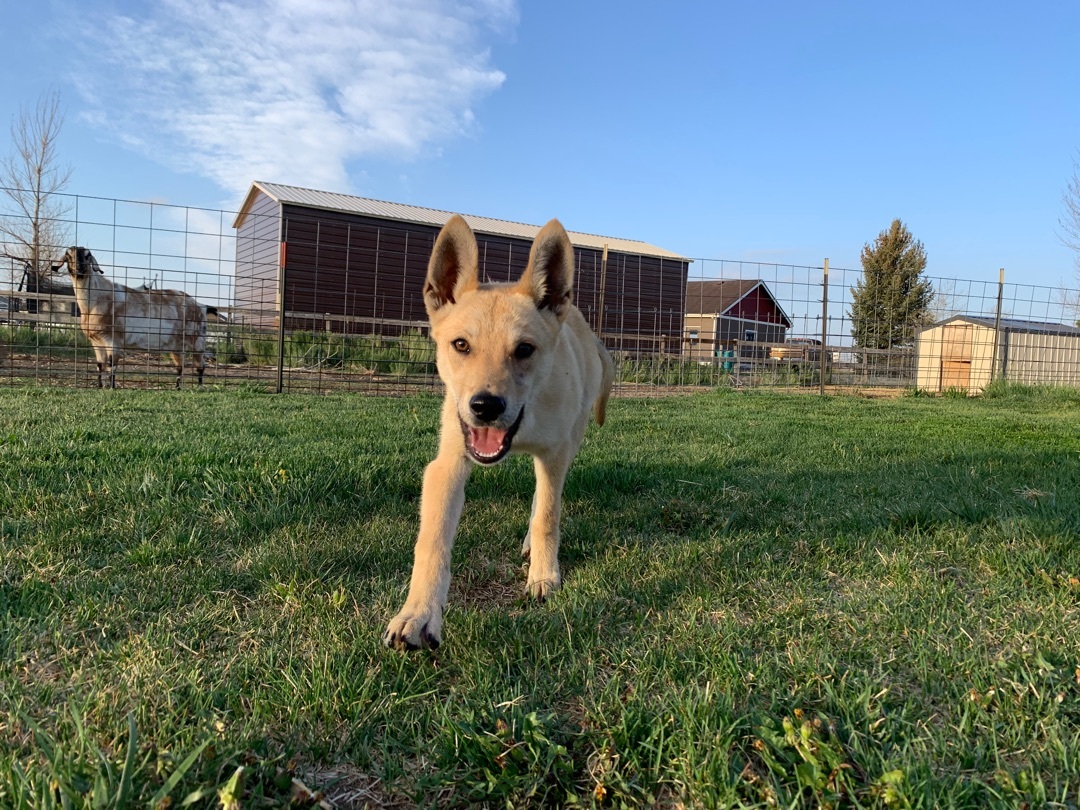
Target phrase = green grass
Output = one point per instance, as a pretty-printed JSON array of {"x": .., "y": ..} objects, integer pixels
[
  {"x": 769, "y": 600},
  {"x": 61, "y": 340}
]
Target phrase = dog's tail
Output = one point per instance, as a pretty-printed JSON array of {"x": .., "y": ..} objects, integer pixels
[{"x": 606, "y": 381}]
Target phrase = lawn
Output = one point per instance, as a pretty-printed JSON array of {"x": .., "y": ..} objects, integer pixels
[{"x": 769, "y": 600}]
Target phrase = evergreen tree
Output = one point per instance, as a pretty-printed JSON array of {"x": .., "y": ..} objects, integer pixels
[{"x": 892, "y": 299}]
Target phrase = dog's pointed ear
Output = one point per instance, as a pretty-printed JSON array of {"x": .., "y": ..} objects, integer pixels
[
  {"x": 452, "y": 270},
  {"x": 549, "y": 275}
]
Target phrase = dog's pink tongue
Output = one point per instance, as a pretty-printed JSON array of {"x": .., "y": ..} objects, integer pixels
[{"x": 486, "y": 441}]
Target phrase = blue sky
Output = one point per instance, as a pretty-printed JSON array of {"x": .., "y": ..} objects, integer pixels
[{"x": 775, "y": 131}]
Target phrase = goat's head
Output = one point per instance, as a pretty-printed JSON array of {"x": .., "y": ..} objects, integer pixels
[{"x": 81, "y": 262}]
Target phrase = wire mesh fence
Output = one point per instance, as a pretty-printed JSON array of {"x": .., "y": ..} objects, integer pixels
[{"x": 353, "y": 320}]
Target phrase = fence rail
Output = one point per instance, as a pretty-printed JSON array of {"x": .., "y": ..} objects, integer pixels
[{"x": 797, "y": 332}]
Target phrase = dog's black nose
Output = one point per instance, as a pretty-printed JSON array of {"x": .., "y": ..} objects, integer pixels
[{"x": 487, "y": 407}]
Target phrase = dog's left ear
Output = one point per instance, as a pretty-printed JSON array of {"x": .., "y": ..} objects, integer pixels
[{"x": 549, "y": 275}]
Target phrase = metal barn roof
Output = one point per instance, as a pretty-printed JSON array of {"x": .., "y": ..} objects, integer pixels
[
  {"x": 721, "y": 295},
  {"x": 1012, "y": 325},
  {"x": 718, "y": 296},
  {"x": 332, "y": 201}
]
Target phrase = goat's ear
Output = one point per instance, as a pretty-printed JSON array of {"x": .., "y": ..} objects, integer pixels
[
  {"x": 453, "y": 268},
  {"x": 92, "y": 262},
  {"x": 549, "y": 275}
]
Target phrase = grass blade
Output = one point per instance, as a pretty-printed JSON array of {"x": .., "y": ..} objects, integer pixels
[{"x": 178, "y": 774}]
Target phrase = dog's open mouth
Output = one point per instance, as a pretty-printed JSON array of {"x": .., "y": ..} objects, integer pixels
[{"x": 487, "y": 445}]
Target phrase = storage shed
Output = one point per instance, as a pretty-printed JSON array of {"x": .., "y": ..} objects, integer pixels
[
  {"x": 334, "y": 262},
  {"x": 720, "y": 312},
  {"x": 968, "y": 351}
]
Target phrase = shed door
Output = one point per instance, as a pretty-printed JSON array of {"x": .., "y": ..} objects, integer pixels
[{"x": 956, "y": 356}]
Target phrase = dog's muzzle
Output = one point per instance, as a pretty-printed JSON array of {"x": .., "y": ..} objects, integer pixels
[{"x": 488, "y": 444}]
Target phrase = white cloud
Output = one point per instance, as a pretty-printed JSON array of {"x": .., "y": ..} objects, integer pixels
[{"x": 291, "y": 90}]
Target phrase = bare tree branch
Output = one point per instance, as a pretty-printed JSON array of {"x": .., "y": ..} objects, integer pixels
[
  {"x": 34, "y": 225},
  {"x": 1070, "y": 234}
]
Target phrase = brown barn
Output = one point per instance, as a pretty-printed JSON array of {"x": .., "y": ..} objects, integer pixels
[
  {"x": 720, "y": 312},
  {"x": 349, "y": 264}
]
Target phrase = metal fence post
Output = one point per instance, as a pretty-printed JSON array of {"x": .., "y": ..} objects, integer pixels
[
  {"x": 603, "y": 284},
  {"x": 824, "y": 328},
  {"x": 997, "y": 325},
  {"x": 281, "y": 319}
]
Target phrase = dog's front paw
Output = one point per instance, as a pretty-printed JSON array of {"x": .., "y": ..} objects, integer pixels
[
  {"x": 540, "y": 588},
  {"x": 413, "y": 629}
]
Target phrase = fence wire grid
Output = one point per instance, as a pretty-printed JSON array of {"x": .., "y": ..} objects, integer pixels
[{"x": 736, "y": 323}]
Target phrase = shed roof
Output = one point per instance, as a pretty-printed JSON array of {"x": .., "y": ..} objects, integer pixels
[
  {"x": 1012, "y": 325},
  {"x": 331, "y": 201},
  {"x": 721, "y": 295}
]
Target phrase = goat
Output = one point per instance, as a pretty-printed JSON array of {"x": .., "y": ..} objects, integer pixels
[{"x": 114, "y": 317}]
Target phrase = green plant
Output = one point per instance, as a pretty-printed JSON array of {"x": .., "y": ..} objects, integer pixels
[{"x": 507, "y": 757}]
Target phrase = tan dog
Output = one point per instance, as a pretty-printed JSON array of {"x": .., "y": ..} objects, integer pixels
[{"x": 522, "y": 371}]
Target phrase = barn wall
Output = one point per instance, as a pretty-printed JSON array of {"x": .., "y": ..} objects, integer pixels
[
  {"x": 1036, "y": 359},
  {"x": 735, "y": 329},
  {"x": 704, "y": 346},
  {"x": 643, "y": 302},
  {"x": 756, "y": 306},
  {"x": 348, "y": 272},
  {"x": 257, "y": 256}
]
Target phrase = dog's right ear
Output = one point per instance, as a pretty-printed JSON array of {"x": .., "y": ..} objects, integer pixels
[{"x": 452, "y": 270}]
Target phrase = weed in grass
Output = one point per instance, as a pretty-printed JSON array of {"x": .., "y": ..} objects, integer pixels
[{"x": 506, "y": 757}]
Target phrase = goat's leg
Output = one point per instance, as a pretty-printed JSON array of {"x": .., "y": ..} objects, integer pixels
[
  {"x": 179, "y": 360},
  {"x": 112, "y": 370},
  {"x": 200, "y": 366},
  {"x": 101, "y": 354}
]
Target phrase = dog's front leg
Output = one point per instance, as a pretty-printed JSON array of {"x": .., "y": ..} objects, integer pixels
[
  {"x": 542, "y": 541},
  {"x": 419, "y": 624}
]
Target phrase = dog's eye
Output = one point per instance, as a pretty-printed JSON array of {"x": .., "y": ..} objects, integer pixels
[
  {"x": 524, "y": 351},
  {"x": 461, "y": 345}
]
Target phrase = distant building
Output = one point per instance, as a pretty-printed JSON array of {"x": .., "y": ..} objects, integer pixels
[
  {"x": 350, "y": 264},
  {"x": 967, "y": 352},
  {"x": 718, "y": 313}
]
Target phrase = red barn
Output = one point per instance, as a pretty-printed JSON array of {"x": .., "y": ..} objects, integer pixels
[{"x": 720, "y": 312}]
